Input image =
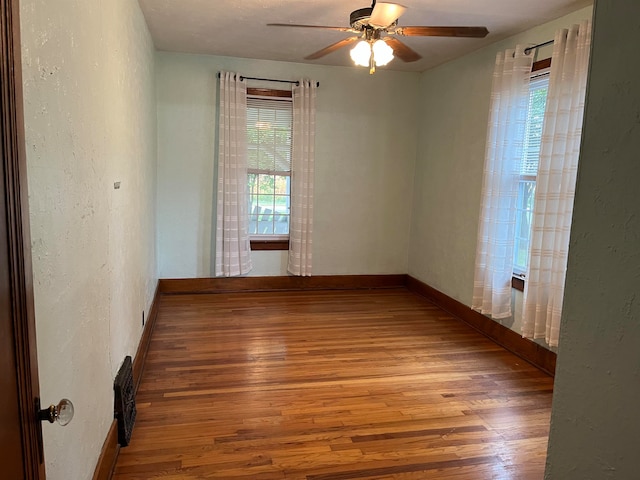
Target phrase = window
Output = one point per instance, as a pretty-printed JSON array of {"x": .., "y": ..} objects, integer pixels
[
  {"x": 269, "y": 131},
  {"x": 531, "y": 154}
]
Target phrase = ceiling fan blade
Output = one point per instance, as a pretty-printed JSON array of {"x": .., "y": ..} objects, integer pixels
[
  {"x": 331, "y": 48},
  {"x": 401, "y": 50},
  {"x": 324, "y": 27},
  {"x": 475, "y": 32},
  {"x": 384, "y": 14}
]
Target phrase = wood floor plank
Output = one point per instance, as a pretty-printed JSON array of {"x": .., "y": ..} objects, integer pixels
[{"x": 319, "y": 385}]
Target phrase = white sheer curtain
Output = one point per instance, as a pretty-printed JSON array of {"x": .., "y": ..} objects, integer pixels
[
  {"x": 233, "y": 252},
  {"x": 555, "y": 184},
  {"x": 503, "y": 158},
  {"x": 303, "y": 154}
]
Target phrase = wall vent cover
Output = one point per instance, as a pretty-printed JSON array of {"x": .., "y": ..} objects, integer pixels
[{"x": 125, "y": 402}]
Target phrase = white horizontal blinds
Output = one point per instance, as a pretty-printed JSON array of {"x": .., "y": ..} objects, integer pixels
[
  {"x": 538, "y": 87},
  {"x": 269, "y": 125},
  {"x": 535, "y": 119},
  {"x": 269, "y": 134}
]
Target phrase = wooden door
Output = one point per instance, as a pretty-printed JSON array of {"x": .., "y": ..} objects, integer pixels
[{"x": 21, "y": 454}]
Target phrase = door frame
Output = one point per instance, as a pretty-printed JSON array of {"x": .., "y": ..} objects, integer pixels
[{"x": 21, "y": 281}]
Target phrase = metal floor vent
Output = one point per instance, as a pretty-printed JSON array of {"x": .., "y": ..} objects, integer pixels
[{"x": 125, "y": 402}]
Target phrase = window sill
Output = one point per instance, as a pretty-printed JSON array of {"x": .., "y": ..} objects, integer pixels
[
  {"x": 269, "y": 244},
  {"x": 517, "y": 283}
]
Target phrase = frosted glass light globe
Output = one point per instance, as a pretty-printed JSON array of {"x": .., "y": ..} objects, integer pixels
[
  {"x": 361, "y": 53},
  {"x": 382, "y": 53}
]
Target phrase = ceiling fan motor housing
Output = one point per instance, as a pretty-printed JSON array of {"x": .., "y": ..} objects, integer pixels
[{"x": 359, "y": 19}]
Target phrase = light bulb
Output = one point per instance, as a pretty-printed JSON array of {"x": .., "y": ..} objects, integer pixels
[
  {"x": 361, "y": 53},
  {"x": 382, "y": 53}
]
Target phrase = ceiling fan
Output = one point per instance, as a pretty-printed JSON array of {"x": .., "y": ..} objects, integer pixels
[{"x": 377, "y": 28}]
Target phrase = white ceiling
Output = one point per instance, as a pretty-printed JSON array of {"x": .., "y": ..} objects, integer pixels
[{"x": 237, "y": 28}]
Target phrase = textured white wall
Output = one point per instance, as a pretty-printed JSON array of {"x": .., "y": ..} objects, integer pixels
[
  {"x": 90, "y": 118},
  {"x": 454, "y": 110},
  {"x": 365, "y": 154},
  {"x": 595, "y": 417}
]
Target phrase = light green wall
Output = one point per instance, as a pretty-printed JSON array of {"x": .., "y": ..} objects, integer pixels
[
  {"x": 595, "y": 417},
  {"x": 90, "y": 121},
  {"x": 454, "y": 111},
  {"x": 365, "y": 153}
]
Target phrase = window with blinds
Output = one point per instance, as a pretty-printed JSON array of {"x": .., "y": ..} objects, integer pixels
[
  {"x": 538, "y": 88},
  {"x": 269, "y": 131}
]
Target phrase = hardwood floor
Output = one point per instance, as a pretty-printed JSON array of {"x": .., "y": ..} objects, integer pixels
[{"x": 329, "y": 385}]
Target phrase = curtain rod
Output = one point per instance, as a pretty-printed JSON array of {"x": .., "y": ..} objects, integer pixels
[
  {"x": 296, "y": 82},
  {"x": 544, "y": 44}
]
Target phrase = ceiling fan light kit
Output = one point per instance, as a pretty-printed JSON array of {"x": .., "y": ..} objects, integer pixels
[
  {"x": 366, "y": 54},
  {"x": 377, "y": 30}
]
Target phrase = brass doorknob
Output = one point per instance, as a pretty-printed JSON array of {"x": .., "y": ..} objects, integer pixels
[{"x": 61, "y": 413}]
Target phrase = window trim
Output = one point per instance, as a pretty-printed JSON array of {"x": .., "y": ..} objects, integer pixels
[
  {"x": 518, "y": 280},
  {"x": 270, "y": 244},
  {"x": 268, "y": 92}
]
